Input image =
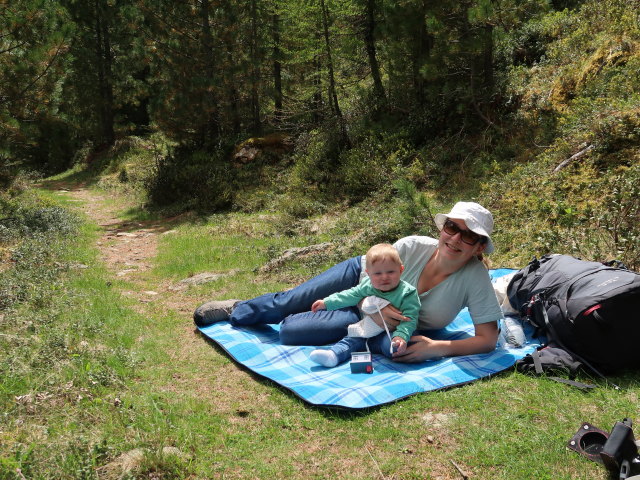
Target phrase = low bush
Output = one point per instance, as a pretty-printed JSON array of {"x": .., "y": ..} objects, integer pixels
[
  {"x": 30, "y": 222},
  {"x": 312, "y": 176},
  {"x": 195, "y": 180},
  {"x": 611, "y": 228},
  {"x": 325, "y": 172},
  {"x": 33, "y": 233},
  {"x": 583, "y": 210},
  {"x": 408, "y": 212}
]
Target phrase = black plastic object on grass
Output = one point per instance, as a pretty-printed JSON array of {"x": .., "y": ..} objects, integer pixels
[
  {"x": 589, "y": 441},
  {"x": 617, "y": 450}
]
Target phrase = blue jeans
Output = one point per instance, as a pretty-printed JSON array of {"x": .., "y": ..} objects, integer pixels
[
  {"x": 378, "y": 344},
  {"x": 291, "y": 308}
]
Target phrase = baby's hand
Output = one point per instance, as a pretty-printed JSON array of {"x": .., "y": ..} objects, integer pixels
[
  {"x": 318, "y": 305},
  {"x": 398, "y": 345}
]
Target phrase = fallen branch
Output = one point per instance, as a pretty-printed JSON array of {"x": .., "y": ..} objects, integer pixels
[
  {"x": 292, "y": 253},
  {"x": 574, "y": 157},
  {"x": 460, "y": 471}
]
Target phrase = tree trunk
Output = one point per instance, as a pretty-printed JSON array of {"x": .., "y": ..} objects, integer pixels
[
  {"x": 317, "y": 99},
  {"x": 210, "y": 130},
  {"x": 230, "y": 92},
  {"x": 104, "y": 59},
  {"x": 487, "y": 55},
  {"x": 253, "y": 54},
  {"x": 420, "y": 53},
  {"x": 277, "y": 67},
  {"x": 233, "y": 98},
  {"x": 480, "y": 60},
  {"x": 333, "y": 96},
  {"x": 370, "y": 46}
]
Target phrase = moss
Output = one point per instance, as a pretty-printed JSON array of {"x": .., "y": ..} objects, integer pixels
[{"x": 607, "y": 56}]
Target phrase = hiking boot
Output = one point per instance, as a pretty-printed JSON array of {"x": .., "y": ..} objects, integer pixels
[{"x": 212, "y": 312}]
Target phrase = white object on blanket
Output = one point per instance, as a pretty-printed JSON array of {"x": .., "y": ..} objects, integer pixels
[
  {"x": 367, "y": 327},
  {"x": 511, "y": 328},
  {"x": 500, "y": 287},
  {"x": 512, "y": 332}
]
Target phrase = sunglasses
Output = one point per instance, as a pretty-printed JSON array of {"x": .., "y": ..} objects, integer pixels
[{"x": 467, "y": 236}]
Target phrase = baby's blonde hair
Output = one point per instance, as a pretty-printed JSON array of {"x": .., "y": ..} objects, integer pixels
[{"x": 383, "y": 251}]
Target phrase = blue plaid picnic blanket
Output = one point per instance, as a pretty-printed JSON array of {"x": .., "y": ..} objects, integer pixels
[{"x": 259, "y": 349}]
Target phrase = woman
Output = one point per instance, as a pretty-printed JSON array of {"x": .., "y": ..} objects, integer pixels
[{"x": 447, "y": 272}]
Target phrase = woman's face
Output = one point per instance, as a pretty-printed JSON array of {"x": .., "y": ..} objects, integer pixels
[{"x": 452, "y": 246}]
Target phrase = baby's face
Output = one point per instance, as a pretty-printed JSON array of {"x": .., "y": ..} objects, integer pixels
[{"x": 385, "y": 274}]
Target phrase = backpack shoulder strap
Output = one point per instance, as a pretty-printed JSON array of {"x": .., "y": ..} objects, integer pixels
[{"x": 573, "y": 383}]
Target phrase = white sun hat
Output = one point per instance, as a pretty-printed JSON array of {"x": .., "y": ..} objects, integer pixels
[{"x": 477, "y": 218}]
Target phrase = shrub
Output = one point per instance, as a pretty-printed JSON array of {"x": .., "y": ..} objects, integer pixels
[
  {"x": 34, "y": 233},
  {"x": 613, "y": 229},
  {"x": 301, "y": 205},
  {"x": 407, "y": 212},
  {"x": 584, "y": 210},
  {"x": 325, "y": 172},
  {"x": 34, "y": 220},
  {"x": 194, "y": 179},
  {"x": 314, "y": 164},
  {"x": 370, "y": 168}
]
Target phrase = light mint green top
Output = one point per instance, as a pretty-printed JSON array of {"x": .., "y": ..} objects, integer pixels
[
  {"x": 468, "y": 287},
  {"x": 404, "y": 297}
]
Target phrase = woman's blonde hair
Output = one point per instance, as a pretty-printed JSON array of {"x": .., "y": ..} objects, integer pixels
[
  {"x": 383, "y": 251},
  {"x": 485, "y": 261}
]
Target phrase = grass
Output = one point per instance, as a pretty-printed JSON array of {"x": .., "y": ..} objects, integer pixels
[
  {"x": 96, "y": 375},
  {"x": 66, "y": 356},
  {"x": 92, "y": 377}
]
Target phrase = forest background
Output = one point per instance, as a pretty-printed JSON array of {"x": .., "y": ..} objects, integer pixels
[
  {"x": 277, "y": 123},
  {"x": 530, "y": 107}
]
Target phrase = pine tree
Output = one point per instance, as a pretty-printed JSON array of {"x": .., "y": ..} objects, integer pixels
[
  {"x": 107, "y": 68},
  {"x": 33, "y": 60}
]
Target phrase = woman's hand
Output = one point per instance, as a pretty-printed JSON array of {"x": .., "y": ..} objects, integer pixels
[
  {"x": 398, "y": 344},
  {"x": 420, "y": 349},
  {"x": 392, "y": 317},
  {"x": 423, "y": 348}
]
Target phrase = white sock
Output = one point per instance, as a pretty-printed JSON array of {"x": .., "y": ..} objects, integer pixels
[{"x": 326, "y": 358}]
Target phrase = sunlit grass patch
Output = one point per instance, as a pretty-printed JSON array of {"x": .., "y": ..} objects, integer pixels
[
  {"x": 70, "y": 344},
  {"x": 221, "y": 248}
]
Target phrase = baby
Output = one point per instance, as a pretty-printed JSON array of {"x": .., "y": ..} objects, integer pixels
[{"x": 382, "y": 286}]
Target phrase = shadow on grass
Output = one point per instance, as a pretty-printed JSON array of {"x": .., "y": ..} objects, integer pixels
[{"x": 135, "y": 217}]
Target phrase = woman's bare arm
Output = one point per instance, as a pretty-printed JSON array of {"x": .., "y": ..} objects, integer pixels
[{"x": 424, "y": 348}]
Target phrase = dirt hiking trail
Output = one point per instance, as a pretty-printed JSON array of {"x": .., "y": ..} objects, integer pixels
[
  {"x": 191, "y": 368},
  {"x": 128, "y": 248}
]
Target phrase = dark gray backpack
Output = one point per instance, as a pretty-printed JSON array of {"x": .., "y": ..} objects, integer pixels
[{"x": 589, "y": 309}]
